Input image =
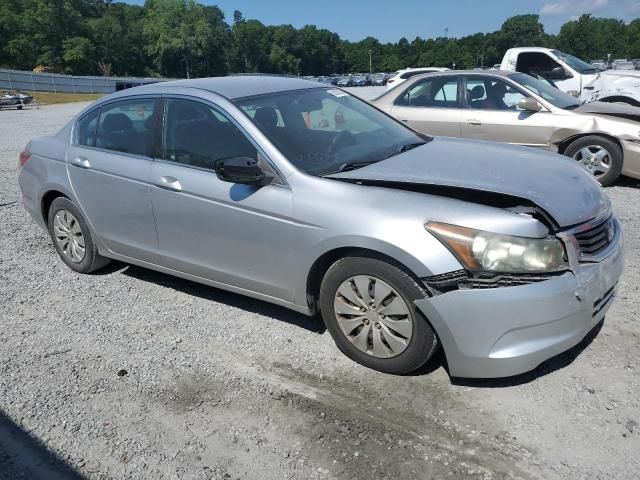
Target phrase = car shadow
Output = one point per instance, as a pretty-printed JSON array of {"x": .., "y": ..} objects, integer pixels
[
  {"x": 627, "y": 182},
  {"x": 23, "y": 456},
  {"x": 312, "y": 324},
  {"x": 316, "y": 325},
  {"x": 551, "y": 365}
]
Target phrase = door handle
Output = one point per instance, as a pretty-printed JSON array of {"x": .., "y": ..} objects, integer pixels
[
  {"x": 169, "y": 183},
  {"x": 81, "y": 162},
  {"x": 474, "y": 122},
  {"x": 405, "y": 120}
]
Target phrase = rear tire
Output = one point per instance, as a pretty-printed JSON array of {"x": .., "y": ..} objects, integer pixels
[
  {"x": 596, "y": 141},
  {"x": 399, "y": 342},
  {"x": 72, "y": 238}
]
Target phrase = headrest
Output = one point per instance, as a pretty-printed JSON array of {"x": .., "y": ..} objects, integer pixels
[{"x": 115, "y": 122}]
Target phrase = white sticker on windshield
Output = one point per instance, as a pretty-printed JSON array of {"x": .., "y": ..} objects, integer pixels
[{"x": 337, "y": 93}]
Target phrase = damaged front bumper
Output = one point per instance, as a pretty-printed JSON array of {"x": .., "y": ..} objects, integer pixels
[{"x": 505, "y": 331}]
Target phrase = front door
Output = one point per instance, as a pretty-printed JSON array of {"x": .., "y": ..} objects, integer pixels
[
  {"x": 431, "y": 106},
  {"x": 108, "y": 165},
  {"x": 230, "y": 233},
  {"x": 492, "y": 113}
]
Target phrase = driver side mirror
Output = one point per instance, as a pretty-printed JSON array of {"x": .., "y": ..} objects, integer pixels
[
  {"x": 529, "y": 104},
  {"x": 558, "y": 73},
  {"x": 244, "y": 170}
]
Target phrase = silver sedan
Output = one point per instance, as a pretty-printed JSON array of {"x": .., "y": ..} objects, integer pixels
[{"x": 299, "y": 194}]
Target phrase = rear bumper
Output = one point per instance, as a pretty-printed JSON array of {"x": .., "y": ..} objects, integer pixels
[
  {"x": 28, "y": 183},
  {"x": 506, "y": 331}
]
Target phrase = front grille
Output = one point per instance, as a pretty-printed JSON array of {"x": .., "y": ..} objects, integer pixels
[
  {"x": 505, "y": 280},
  {"x": 461, "y": 279},
  {"x": 596, "y": 239}
]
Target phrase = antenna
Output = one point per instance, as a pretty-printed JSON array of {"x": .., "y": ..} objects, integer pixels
[{"x": 446, "y": 32}]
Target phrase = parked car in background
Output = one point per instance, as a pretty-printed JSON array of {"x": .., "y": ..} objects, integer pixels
[
  {"x": 403, "y": 242},
  {"x": 600, "y": 65},
  {"x": 379, "y": 79},
  {"x": 636, "y": 63},
  {"x": 324, "y": 79},
  {"x": 602, "y": 138},
  {"x": 361, "y": 81},
  {"x": 575, "y": 76},
  {"x": 346, "y": 81},
  {"x": 407, "y": 73},
  {"x": 624, "y": 65}
]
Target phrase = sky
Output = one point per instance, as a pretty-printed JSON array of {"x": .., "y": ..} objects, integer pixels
[{"x": 390, "y": 20}]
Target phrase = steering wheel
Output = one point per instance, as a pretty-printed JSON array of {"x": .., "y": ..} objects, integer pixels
[{"x": 342, "y": 137}]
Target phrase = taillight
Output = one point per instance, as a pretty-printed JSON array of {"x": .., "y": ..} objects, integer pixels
[{"x": 24, "y": 158}]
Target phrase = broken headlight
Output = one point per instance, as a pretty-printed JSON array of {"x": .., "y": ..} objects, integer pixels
[{"x": 496, "y": 252}]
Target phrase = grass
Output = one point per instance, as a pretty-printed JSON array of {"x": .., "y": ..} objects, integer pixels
[{"x": 50, "y": 98}]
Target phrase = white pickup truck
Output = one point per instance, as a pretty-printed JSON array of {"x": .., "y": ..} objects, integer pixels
[{"x": 575, "y": 76}]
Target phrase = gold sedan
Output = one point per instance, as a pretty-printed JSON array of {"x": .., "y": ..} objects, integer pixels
[{"x": 511, "y": 107}]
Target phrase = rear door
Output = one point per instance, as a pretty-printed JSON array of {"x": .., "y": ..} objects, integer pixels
[
  {"x": 492, "y": 113},
  {"x": 431, "y": 105},
  {"x": 108, "y": 164}
]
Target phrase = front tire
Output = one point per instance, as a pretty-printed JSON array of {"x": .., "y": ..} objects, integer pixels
[
  {"x": 599, "y": 156},
  {"x": 71, "y": 237},
  {"x": 367, "y": 306}
]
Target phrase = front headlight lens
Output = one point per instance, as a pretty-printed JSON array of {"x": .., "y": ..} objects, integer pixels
[{"x": 495, "y": 252}]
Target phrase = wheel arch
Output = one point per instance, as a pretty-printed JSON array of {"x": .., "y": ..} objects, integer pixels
[
  {"x": 319, "y": 268},
  {"x": 564, "y": 144},
  {"x": 47, "y": 199},
  {"x": 620, "y": 99}
]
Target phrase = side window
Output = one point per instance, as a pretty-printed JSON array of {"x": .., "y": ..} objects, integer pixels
[
  {"x": 196, "y": 134},
  {"x": 536, "y": 64},
  {"x": 437, "y": 92},
  {"x": 127, "y": 126},
  {"x": 86, "y": 129},
  {"x": 492, "y": 94}
]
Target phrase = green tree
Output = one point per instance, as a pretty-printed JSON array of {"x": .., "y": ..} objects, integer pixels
[
  {"x": 177, "y": 36},
  {"x": 78, "y": 55}
]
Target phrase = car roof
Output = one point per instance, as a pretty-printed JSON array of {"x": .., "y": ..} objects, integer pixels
[
  {"x": 530, "y": 49},
  {"x": 239, "y": 86},
  {"x": 495, "y": 73}
]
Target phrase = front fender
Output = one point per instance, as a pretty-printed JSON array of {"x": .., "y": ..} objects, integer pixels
[{"x": 422, "y": 258}]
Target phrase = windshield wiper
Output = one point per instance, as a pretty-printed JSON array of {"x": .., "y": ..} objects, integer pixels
[
  {"x": 404, "y": 148},
  {"x": 352, "y": 166}
]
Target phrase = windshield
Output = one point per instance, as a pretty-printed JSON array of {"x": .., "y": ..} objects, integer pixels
[
  {"x": 546, "y": 91},
  {"x": 578, "y": 65},
  {"x": 325, "y": 130}
]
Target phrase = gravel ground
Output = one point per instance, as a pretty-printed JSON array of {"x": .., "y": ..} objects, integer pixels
[{"x": 134, "y": 374}]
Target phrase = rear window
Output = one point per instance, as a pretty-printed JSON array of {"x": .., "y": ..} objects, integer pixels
[
  {"x": 86, "y": 129},
  {"x": 126, "y": 126}
]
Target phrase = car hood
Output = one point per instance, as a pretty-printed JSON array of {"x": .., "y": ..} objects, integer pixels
[
  {"x": 621, "y": 73},
  {"x": 610, "y": 109},
  {"x": 550, "y": 181}
]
